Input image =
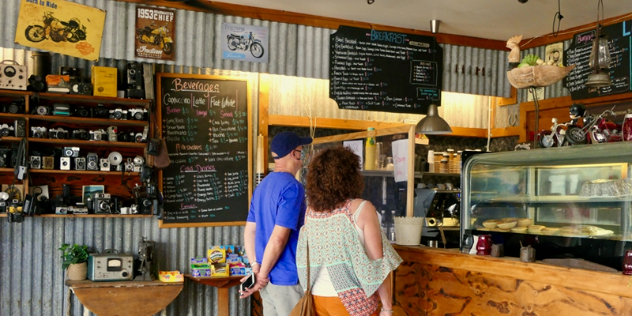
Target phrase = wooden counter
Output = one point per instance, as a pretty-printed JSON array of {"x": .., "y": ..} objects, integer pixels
[{"x": 434, "y": 281}]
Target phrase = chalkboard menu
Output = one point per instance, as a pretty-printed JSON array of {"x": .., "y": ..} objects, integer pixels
[
  {"x": 579, "y": 54},
  {"x": 204, "y": 120},
  {"x": 384, "y": 71}
]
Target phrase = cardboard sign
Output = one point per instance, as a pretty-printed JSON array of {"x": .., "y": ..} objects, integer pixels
[
  {"x": 61, "y": 27},
  {"x": 356, "y": 146},
  {"x": 400, "y": 160},
  {"x": 155, "y": 33}
]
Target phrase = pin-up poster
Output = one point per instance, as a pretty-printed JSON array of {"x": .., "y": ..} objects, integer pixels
[
  {"x": 61, "y": 27},
  {"x": 155, "y": 33},
  {"x": 245, "y": 42}
]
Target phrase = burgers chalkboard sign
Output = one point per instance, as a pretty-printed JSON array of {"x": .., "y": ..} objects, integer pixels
[{"x": 384, "y": 71}]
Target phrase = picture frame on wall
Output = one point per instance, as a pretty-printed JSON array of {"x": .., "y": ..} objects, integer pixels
[{"x": 89, "y": 190}]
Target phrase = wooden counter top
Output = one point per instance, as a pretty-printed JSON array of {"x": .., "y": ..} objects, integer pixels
[{"x": 601, "y": 282}]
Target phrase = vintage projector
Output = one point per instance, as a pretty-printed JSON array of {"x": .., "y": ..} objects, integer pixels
[{"x": 110, "y": 266}]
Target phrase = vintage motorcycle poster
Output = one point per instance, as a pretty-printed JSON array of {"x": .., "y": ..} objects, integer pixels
[
  {"x": 61, "y": 27},
  {"x": 155, "y": 33},
  {"x": 245, "y": 42}
]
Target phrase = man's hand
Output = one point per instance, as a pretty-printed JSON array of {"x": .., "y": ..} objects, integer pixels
[{"x": 261, "y": 283}]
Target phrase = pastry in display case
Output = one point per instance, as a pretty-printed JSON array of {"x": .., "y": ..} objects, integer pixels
[{"x": 567, "y": 202}]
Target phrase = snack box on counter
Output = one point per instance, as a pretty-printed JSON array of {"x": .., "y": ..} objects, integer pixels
[{"x": 171, "y": 276}]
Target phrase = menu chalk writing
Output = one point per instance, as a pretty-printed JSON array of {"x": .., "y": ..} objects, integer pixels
[
  {"x": 578, "y": 54},
  {"x": 384, "y": 71},
  {"x": 205, "y": 125}
]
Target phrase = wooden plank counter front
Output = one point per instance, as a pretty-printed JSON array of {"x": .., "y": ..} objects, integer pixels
[{"x": 434, "y": 281}]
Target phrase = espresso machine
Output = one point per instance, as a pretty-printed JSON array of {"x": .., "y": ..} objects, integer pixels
[{"x": 441, "y": 209}]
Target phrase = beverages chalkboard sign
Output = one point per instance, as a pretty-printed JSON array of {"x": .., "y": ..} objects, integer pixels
[
  {"x": 384, "y": 71},
  {"x": 579, "y": 54},
  {"x": 204, "y": 120}
]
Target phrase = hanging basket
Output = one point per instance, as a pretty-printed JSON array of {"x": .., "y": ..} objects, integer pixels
[{"x": 537, "y": 76}]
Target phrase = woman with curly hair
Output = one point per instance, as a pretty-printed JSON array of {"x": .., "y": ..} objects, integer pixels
[{"x": 349, "y": 257}]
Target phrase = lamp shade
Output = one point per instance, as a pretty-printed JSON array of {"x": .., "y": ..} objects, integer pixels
[{"x": 433, "y": 124}]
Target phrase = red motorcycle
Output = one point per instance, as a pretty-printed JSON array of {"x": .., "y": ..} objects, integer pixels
[
  {"x": 556, "y": 137},
  {"x": 595, "y": 130}
]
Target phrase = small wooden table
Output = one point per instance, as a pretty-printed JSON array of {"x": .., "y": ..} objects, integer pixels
[
  {"x": 222, "y": 284},
  {"x": 129, "y": 298}
]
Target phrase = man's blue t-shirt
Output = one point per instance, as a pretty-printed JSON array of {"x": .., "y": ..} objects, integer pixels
[{"x": 278, "y": 200}]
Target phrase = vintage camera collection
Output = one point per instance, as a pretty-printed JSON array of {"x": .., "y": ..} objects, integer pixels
[
  {"x": 98, "y": 111},
  {"x": 70, "y": 159},
  {"x": 111, "y": 134}
]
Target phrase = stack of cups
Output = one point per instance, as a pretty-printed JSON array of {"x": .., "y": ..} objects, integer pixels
[{"x": 431, "y": 161}]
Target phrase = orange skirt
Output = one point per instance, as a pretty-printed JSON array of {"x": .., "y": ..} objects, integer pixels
[{"x": 332, "y": 306}]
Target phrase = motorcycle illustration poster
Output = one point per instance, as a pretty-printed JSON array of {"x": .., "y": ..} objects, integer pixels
[
  {"x": 61, "y": 27},
  {"x": 155, "y": 33},
  {"x": 245, "y": 42}
]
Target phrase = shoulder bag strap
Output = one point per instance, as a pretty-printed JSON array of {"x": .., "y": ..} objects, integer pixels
[{"x": 309, "y": 289}]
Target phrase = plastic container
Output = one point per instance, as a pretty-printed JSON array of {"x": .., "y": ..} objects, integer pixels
[
  {"x": 408, "y": 230},
  {"x": 370, "y": 148},
  {"x": 627, "y": 127}
]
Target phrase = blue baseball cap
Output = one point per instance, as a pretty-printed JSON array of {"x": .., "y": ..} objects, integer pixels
[{"x": 283, "y": 144}]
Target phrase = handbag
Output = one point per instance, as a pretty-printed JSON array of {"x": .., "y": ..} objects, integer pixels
[{"x": 305, "y": 306}]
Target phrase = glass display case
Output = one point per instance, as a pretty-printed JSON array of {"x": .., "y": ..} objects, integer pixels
[{"x": 569, "y": 202}]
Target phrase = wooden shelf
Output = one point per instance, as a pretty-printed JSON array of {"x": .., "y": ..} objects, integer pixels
[
  {"x": 439, "y": 174},
  {"x": 14, "y": 93},
  {"x": 7, "y": 170},
  {"x": 84, "y": 120},
  {"x": 13, "y": 116},
  {"x": 55, "y": 171},
  {"x": 77, "y": 142},
  {"x": 11, "y": 139},
  {"x": 422, "y": 141},
  {"x": 92, "y": 99},
  {"x": 85, "y": 215}
]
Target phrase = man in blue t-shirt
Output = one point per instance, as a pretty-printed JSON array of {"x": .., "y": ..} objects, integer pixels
[{"x": 277, "y": 212}]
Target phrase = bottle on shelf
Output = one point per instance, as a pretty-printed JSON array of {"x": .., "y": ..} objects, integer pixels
[
  {"x": 370, "y": 148},
  {"x": 383, "y": 225},
  {"x": 392, "y": 227}
]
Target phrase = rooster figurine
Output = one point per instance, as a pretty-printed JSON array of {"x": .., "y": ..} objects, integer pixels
[{"x": 532, "y": 76}]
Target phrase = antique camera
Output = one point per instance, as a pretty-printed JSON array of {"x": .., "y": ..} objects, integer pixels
[
  {"x": 64, "y": 163},
  {"x": 6, "y": 130},
  {"x": 39, "y": 132},
  {"x": 135, "y": 81},
  {"x": 138, "y": 114},
  {"x": 138, "y": 137},
  {"x": 112, "y": 130},
  {"x": 80, "y": 134},
  {"x": 138, "y": 163},
  {"x": 101, "y": 203},
  {"x": 118, "y": 114},
  {"x": 104, "y": 164},
  {"x": 81, "y": 112},
  {"x": 71, "y": 152},
  {"x": 57, "y": 133},
  {"x": 15, "y": 107},
  {"x": 61, "y": 109},
  {"x": 5, "y": 157},
  {"x": 14, "y": 210},
  {"x": 80, "y": 163},
  {"x": 48, "y": 162},
  {"x": 92, "y": 161},
  {"x": 81, "y": 87},
  {"x": 37, "y": 83},
  {"x": 98, "y": 134},
  {"x": 36, "y": 162},
  {"x": 99, "y": 112},
  {"x": 20, "y": 128},
  {"x": 125, "y": 137},
  {"x": 43, "y": 110},
  {"x": 129, "y": 165}
]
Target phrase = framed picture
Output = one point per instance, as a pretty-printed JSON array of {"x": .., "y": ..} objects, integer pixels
[
  {"x": 39, "y": 190},
  {"x": 89, "y": 190},
  {"x": 15, "y": 192}
]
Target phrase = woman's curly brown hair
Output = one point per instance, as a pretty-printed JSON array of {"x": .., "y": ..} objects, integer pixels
[{"x": 333, "y": 177}]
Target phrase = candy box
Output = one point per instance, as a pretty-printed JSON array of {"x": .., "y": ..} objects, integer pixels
[
  {"x": 228, "y": 248},
  {"x": 200, "y": 269},
  {"x": 199, "y": 260},
  {"x": 216, "y": 255},
  {"x": 220, "y": 270},
  {"x": 170, "y": 276},
  {"x": 233, "y": 259},
  {"x": 238, "y": 269}
]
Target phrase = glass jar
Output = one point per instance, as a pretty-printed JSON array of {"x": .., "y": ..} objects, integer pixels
[
  {"x": 389, "y": 164},
  {"x": 444, "y": 166}
]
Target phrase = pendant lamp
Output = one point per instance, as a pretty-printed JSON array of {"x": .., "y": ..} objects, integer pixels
[
  {"x": 599, "y": 57},
  {"x": 433, "y": 124}
]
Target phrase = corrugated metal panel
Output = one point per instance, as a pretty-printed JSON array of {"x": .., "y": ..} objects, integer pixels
[{"x": 475, "y": 71}]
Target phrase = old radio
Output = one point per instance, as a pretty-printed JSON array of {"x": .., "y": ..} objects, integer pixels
[{"x": 110, "y": 266}]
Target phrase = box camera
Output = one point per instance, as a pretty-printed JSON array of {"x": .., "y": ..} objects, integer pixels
[
  {"x": 112, "y": 130},
  {"x": 14, "y": 211},
  {"x": 100, "y": 112},
  {"x": 61, "y": 109},
  {"x": 36, "y": 162},
  {"x": 125, "y": 137},
  {"x": 129, "y": 165},
  {"x": 71, "y": 152},
  {"x": 135, "y": 81},
  {"x": 138, "y": 163},
  {"x": 98, "y": 134},
  {"x": 101, "y": 203},
  {"x": 5, "y": 157},
  {"x": 39, "y": 132},
  {"x": 81, "y": 112},
  {"x": 20, "y": 128},
  {"x": 82, "y": 88},
  {"x": 80, "y": 163},
  {"x": 118, "y": 114},
  {"x": 6, "y": 130},
  {"x": 80, "y": 134},
  {"x": 15, "y": 107},
  {"x": 141, "y": 137},
  {"x": 64, "y": 163},
  {"x": 43, "y": 110},
  {"x": 104, "y": 164},
  {"x": 92, "y": 161},
  {"x": 48, "y": 162},
  {"x": 37, "y": 83},
  {"x": 138, "y": 114},
  {"x": 57, "y": 133},
  {"x": 13, "y": 76}
]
